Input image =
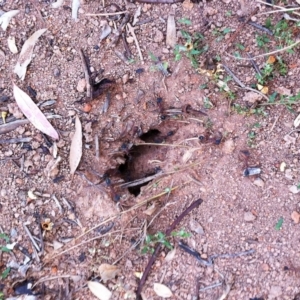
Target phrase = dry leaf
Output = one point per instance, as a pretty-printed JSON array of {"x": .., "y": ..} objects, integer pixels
[
  {"x": 6, "y": 17},
  {"x": 105, "y": 32},
  {"x": 136, "y": 16},
  {"x": 33, "y": 113},
  {"x": 171, "y": 31},
  {"x": 99, "y": 290},
  {"x": 170, "y": 255},
  {"x": 57, "y": 4},
  {"x": 108, "y": 272},
  {"x": 26, "y": 54},
  {"x": 11, "y": 42},
  {"x": 263, "y": 89},
  {"x": 75, "y": 7},
  {"x": 162, "y": 291},
  {"x": 297, "y": 121},
  {"x": 271, "y": 59},
  {"x": 150, "y": 210},
  {"x": 76, "y": 147}
]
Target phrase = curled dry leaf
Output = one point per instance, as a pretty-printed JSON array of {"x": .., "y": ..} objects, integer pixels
[
  {"x": 150, "y": 210},
  {"x": 162, "y": 291},
  {"x": 171, "y": 31},
  {"x": 11, "y": 42},
  {"x": 75, "y": 7},
  {"x": 99, "y": 290},
  {"x": 108, "y": 272},
  {"x": 26, "y": 54},
  {"x": 171, "y": 254},
  {"x": 57, "y": 4},
  {"x": 76, "y": 147},
  {"x": 297, "y": 121},
  {"x": 105, "y": 32},
  {"x": 52, "y": 168},
  {"x": 6, "y": 17},
  {"x": 33, "y": 113}
]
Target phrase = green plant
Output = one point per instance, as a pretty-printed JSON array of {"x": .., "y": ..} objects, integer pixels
[
  {"x": 220, "y": 34},
  {"x": 266, "y": 74},
  {"x": 283, "y": 33},
  {"x": 262, "y": 40},
  {"x": 251, "y": 139},
  {"x": 160, "y": 237},
  {"x": 279, "y": 224},
  {"x": 1, "y": 296},
  {"x": 185, "y": 21},
  {"x": 207, "y": 103},
  {"x": 192, "y": 48},
  {"x": 161, "y": 66},
  {"x": 287, "y": 101}
]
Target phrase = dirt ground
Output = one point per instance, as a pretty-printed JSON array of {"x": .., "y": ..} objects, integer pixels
[{"x": 199, "y": 140}]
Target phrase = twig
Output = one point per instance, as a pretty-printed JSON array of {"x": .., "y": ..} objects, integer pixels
[
  {"x": 97, "y": 151},
  {"x": 211, "y": 286},
  {"x": 86, "y": 75},
  {"x": 164, "y": 145},
  {"x": 50, "y": 278},
  {"x": 31, "y": 238},
  {"x": 266, "y": 54},
  {"x": 80, "y": 244},
  {"x": 7, "y": 127},
  {"x": 131, "y": 30},
  {"x": 273, "y": 5},
  {"x": 254, "y": 64},
  {"x": 140, "y": 181},
  {"x": 154, "y": 255},
  {"x": 16, "y": 140},
  {"x": 242, "y": 85},
  {"x": 158, "y": 1},
  {"x": 279, "y": 10},
  {"x": 107, "y": 14},
  {"x": 57, "y": 203}
]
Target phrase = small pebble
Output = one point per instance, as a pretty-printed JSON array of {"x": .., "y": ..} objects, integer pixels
[
  {"x": 295, "y": 217},
  {"x": 249, "y": 216},
  {"x": 56, "y": 72},
  {"x": 259, "y": 182},
  {"x": 81, "y": 85}
]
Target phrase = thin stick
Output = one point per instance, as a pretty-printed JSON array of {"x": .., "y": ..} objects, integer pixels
[
  {"x": 50, "y": 278},
  {"x": 166, "y": 145},
  {"x": 154, "y": 255},
  {"x": 277, "y": 6},
  {"x": 97, "y": 151},
  {"x": 57, "y": 203},
  {"x": 131, "y": 30},
  {"x": 80, "y": 244},
  {"x": 211, "y": 286},
  {"x": 31, "y": 238},
  {"x": 266, "y": 54},
  {"x": 279, "y": 10},
  {"x": 107, "y": 14},
  {"x": 140, "y": 181},
  {"x": 16, "y": 140},
  {"x": 86, "y": 75}
]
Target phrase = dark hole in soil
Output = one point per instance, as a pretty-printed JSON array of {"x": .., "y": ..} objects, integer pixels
[
  {"x": 136, "y": 165},
  {"x": 150, "y": 136}
]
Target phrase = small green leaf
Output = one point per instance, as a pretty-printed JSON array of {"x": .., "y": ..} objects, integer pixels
[
  {"x": 279, "y": 224},
  {"x": 5, "y": 237},
  {"x": 226, "y": 30},
  {"x": 5, "y": 273},
  {"x": 185, "y": 21},
  {"x": 153, "y": 57},
  {"x": 5, "y": 249}
]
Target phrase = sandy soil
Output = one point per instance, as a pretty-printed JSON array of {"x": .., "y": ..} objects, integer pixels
[{"x": 198, "y": 140}]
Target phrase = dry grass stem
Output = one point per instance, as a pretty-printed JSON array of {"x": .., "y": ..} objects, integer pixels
[{"x": 107, "y": 14}]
